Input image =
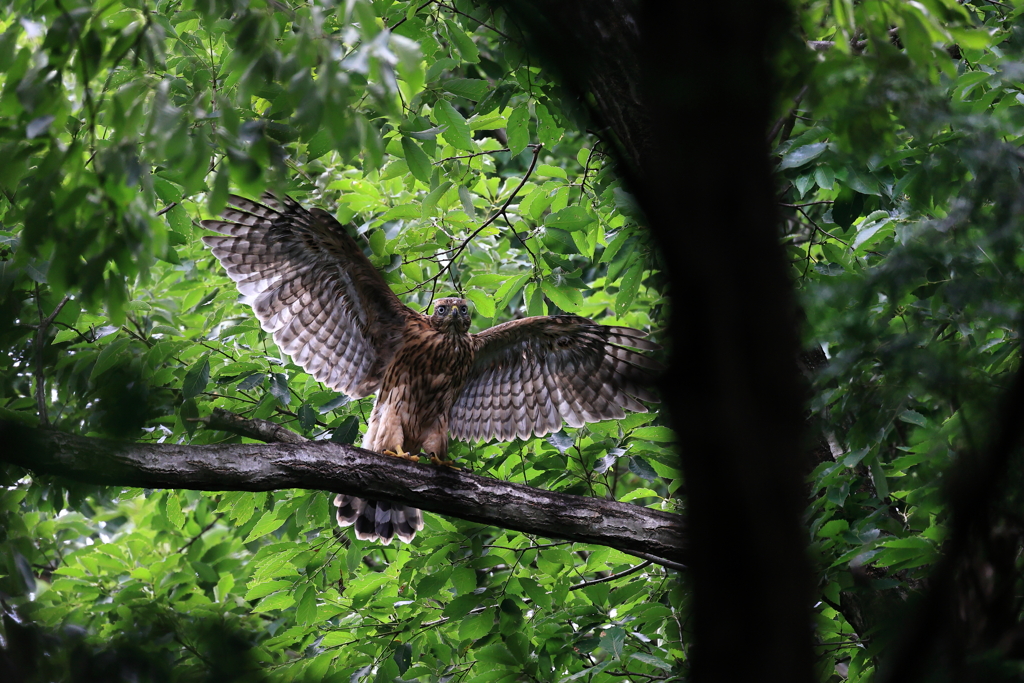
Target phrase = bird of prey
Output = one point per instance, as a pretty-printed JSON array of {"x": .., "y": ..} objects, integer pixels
[{"x": 328, "y": 308}]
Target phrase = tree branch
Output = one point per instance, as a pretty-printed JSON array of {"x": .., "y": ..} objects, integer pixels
[
  {"x": 261, "y": 430},
  {"x": 323, "y": 465}
]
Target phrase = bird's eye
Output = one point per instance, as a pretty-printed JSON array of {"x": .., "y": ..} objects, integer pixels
[
  {"x": 442, "y": 309},
  {"x": 463, "y": 309}
]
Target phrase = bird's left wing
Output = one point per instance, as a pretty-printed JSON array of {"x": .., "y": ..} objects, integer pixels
[
  {"x": 313, "y": 289},
  {"x": 530, "y": 375}
]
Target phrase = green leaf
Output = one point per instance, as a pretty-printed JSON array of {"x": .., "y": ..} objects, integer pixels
[
  {"x": 471, "y": 88},
  {"x": 112, "y": 354},
  {"x": 335, "y": 403},
  {"x": 307, "y": 417},
  {"x": 482, "y": 301},
  {"x": 652, "y": 660},
  {"x": 464, "y": 580},
  {"x": 477, "y": 626},
  {"x": 268, "y": 523},
  {"x": 825, "y": 177},
  {"x": 319, "y": 145},
  {"x": 509, "y": 289},
  {"x": 197, "y": 378},
  {"x": 569, "y": 218},
  {"x": 463, "y": 43},
  {"x": 251, "y": 381},
  {"x": 914, "y": 417},
  {"x": 497, "y": 654},
  {"x": 638, "y": 493},
  {"x": 276, "y": 601},
  {"x": 659, "y": 434},
  {"x": 834, "y": 528},
  {"x": 174, "y": 514},
  {"x": 456, "y": 131},
  {"x": 64, "y": 336},
  {"x": 802, "y": 155},
  {"x": 548, "y": 132},
  {"x": 461, "y": 606},
  {"x": 467, "y": 202},
  {"x": 878, "y": 477},
  {"x": 517, "y": 130},
  {"x": 419, "y": 162},
  {"x": 642, "y": 468},
  {"x": 431, "y": 583},
  {"x": 549, "y": 171},
  {"x": 612, "y": 641},
  {"x": 871, "y": 230},
  {"x": 403, "y": 657},
  {"x": 629, "y": 287},
  {"x": 305, "y": 610},
  {"x": 347, "y": 431},
  {"x": 487, "y": 279},
  {"x": 262, "y": 589},
  {"x": 279, "y": 388},
  {"x": 431, "y": 200},
  {"x": 566, "y": 297}
]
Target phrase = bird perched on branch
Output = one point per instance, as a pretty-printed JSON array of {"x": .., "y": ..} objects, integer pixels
[{"x": 328, "y": 308}]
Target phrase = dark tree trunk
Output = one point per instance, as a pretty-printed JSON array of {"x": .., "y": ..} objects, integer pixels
[{"x": 688, "y": 110}]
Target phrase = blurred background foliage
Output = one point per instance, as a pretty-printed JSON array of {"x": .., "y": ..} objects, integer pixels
[
  {"x": 898, "y": 149},
  {"x": 123, "y": 124}
]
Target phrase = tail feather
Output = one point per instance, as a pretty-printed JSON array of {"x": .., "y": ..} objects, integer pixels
[{"x": 378, "y": 519}]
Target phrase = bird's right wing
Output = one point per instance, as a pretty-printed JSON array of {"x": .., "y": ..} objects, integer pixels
[
  {"x": 312, "y": 288},
  {"x": 531, "y": 375}
]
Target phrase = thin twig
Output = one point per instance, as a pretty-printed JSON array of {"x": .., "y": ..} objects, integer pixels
[
  {"x": 469, "y": 16},
  {"x": 821, "y": 229},
  {"x": 197, "y": 536},
  {"x": 530, "y": 547},
  {"x": 406, "y": 18},
  {"x": 777, "y": 127},
  {"x": 40, "y": 342},
  {"x": 797, "y": 206},
  {"x": 475, "y": 154},
  {"x": 627, "y": 572},
  {"x": 634, "y": 673},
  {"x": 679, "y": 567},
  {"x": 465, "y": 243}
]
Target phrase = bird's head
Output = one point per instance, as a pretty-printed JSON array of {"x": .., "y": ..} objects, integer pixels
[{"x": 451, "y": 314}]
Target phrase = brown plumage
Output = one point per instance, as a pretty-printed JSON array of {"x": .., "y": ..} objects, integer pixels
[{"x": 329, "y": 309}]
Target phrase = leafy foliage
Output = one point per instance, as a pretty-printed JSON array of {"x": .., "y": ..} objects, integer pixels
[
  {"x": 900, "y": 172},
  {"x": 459, "y": 166}
]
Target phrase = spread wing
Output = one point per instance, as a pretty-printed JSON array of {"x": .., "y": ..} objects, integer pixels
[
  {"x": 530, "y": 375},
  {"x": 313, "y": 289}
]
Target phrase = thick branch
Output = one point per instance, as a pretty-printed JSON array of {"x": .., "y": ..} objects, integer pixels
[{"x": 345, "y": 469}]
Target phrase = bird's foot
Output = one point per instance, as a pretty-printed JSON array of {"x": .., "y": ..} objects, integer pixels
[
  {"x": 399, "y": 453},
  {"x": 445, "y": 463}
]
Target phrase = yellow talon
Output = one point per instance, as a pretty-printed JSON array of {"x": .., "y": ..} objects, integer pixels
[
  {"x": 446, "y": 463},
  {"x": 399, "y": 453}
]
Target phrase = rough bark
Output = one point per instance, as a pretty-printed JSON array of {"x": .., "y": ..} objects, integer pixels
[
  {"x": 688, "y": 113},
  {"x": 647, "y": 533}
]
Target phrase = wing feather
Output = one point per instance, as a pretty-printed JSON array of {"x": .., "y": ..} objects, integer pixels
[
  {"x": 312, "y": 288},
  {"x": 530, "y": 376}
]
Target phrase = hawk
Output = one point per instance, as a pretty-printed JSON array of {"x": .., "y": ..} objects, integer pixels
[{"x": 328, "y": 308}]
